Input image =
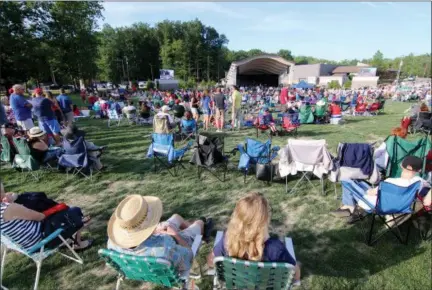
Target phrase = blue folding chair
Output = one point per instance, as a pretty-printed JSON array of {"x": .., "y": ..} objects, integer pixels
[
  {"x": 75, "y": 158},
  {"x": 392, "y": 201},
  {"x": 162, "y": 147},
  {"x": 255, "y": 152},
  {"x": 189, "y": 129},
  {"x": 37, "y": 253}
]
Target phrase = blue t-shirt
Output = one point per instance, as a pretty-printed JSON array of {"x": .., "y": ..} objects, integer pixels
[
  {"x": 42, "y": 109},
  {"x": 18, "y": 104},
  {"x": 65, "y": 103},
  {"x": 274, "y": 251},
  {"x": 206, "y": 103}
]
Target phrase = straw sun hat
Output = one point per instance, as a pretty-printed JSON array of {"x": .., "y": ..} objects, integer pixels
[
  {"x": 36, "y": 132},
  {"x": 134, "y": 220}
]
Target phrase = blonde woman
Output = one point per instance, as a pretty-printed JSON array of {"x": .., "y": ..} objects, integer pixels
[{"x": 247, "y": 236}]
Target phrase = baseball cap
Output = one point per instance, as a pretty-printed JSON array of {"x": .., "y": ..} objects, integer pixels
[{"x": 414, "y": 162}]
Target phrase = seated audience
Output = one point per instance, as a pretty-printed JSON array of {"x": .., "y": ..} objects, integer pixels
[
  {"x": 411, "y": 166},
  {"x": 39, "y": 145},
  {"x": 26, "y": 226},
  {"x": 145, "y": 110},
  {"x": 71, "y": 133},
  {"x": 129, "y": 111},
  {"x": 266, "y": 119},
  {"x": 76, "y": 111},
  {"x": 247, "y": 236},
  {"x": 135, "y": 229},
  {"x": 164, "y": 113},
  {"x": 188, "y": 123}
]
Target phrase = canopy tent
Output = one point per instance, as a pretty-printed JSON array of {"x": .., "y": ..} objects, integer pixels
[{"x": 303, "y": 85}]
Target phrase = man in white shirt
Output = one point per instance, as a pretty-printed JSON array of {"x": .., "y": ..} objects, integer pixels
[{"x": 411, "y": 166}]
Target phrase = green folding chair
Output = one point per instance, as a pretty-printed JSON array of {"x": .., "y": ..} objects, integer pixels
[
  {"x": 148, "y": 269},
  {"x": 7, "y": 153},
  {"x": 398, "y": 148},
  {"x": 305, "y": 114},
  {"x": 23, "y": 160},
  {"x": 238, "y": 274}
]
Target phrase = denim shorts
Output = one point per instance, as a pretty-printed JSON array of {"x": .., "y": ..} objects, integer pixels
[{"x": 50, "y": 126}]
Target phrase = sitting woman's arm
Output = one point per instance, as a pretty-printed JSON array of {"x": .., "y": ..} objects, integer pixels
[
  {"x": 41, "y": 146},
  {"x": 18, "y": 212}
]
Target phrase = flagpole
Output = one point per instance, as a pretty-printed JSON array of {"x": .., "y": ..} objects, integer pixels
[{"x": 399, "y": 71}]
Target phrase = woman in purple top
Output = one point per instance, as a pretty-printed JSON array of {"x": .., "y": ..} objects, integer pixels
[{"x": 247, "y": 236}]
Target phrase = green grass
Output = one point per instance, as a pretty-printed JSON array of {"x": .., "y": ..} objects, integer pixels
[{"x": 333, "y": 254}]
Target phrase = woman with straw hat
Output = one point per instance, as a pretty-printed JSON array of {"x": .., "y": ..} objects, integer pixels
[{"x": 135, "y": 229}]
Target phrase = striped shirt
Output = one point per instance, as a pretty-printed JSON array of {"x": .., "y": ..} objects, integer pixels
[{"x": 22, "y": 232}]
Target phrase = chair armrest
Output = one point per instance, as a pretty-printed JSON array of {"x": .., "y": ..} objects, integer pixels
[
  {"x": 196, "y": 244},
  {"x": 290, "y": 247},
  {"x": 45, "y": 241},
  {"x": 241, "y": 148},
  {"x": 275, "y": 148}
]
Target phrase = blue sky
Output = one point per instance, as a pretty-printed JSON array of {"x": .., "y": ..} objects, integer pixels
[{"x": 333, "y": 30}]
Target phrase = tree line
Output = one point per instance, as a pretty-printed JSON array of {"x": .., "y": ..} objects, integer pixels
[{"x": 61, "y": 42}]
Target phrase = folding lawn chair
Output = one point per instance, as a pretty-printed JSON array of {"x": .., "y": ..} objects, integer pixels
[
  {"x": 254, "y": 152},
  {"x": 149, "y": 269},
  {"x": 374, "y": 108},
  {"x": 290, "y": 123},
  {"x": 306, "y": 157},
  {"x": 76, "y": 159},
  {"x": 23, "y": 160},
  {"x": 360, "y": 110},
  {"x": 37, "y": 253},
  {"x": 305, "y": 114},
  {"x": 234, "y": 273},
  {"x": 260, "y": 125},
  {"x": 321, "y": 113},
  {"x": 115, "y": 117},
  {"x": 189, "y": 129},
  {"x": 209, "y": 154},
  {"x": 7, "y": 154},
  {"x": 423, "y": 123},
  {"x": 398, "y": 148},
  {"x": 395, "y": 205},
  {"x": 381, "y": 106},
  {"x": 162, "y": 147}
]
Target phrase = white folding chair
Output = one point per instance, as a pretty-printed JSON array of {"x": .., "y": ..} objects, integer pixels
[{"x": 114, "y": 117}]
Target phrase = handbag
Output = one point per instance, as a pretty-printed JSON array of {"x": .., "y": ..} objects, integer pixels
[
  {"x": 70, "y": 221},
  {"x": 264, "y": 171}
]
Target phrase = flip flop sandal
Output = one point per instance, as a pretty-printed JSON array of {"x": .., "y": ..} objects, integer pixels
[{"x": 79, "y": 249}]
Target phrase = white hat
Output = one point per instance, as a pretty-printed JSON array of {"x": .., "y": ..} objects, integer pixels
[
  {"x": 35, "y": 132},
  {"x": 165, "y": 108}
]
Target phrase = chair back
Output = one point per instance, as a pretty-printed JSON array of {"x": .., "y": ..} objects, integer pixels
[
  {"x": 308, "y": 152},
  {"x": 305, "y": 113},
  {"x": 258, "y": 151},
  {"x": 23, "y": 159},
  {"x": 22, "y": 146},
  {"x": 239, "y": 274},
  {"x": 6, "y": 153},
  {"x": 189, "y": 126},
  {"x": 161, "y": 124},
  {"x": 393, "y": 199},
  {"x": 290, "y": 120},
  {"x": 76, "y": 146},
  {"x": 163, "y": 139},
  {"x": 149, "y": 269},
  {"x": 113, "y": 115},
  {"x": 398, "y": 148},
  {"x": 320, "y": 110},
  {"x": 374, "y": 107}
]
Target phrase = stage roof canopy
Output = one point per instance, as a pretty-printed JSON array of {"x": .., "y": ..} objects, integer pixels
[{"x": 263, "y": 64}]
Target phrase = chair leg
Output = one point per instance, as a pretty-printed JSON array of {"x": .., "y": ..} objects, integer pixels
[
  {"x": 3, "y": 262},
  {"x": 119, "y": 279},
  {"x": 371, "y": 230},
  {"x": 38, "y": 270}
]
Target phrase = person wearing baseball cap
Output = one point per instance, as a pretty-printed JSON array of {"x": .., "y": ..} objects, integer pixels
[
  {"x": 135, "y": 229},
  {"x": 353, "y": 208}
]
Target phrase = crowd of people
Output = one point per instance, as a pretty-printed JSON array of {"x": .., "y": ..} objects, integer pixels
[{"x": 135, "y": 226}]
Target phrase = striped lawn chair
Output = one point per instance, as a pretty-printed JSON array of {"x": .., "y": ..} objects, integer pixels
[
  {"x": 37, "y": 253},
  {"x": 238, "y": 274},
  {"x": 148, "y": 269}
]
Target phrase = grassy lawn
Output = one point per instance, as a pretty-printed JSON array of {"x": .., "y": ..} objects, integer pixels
[{"x": 333, "y": 254}]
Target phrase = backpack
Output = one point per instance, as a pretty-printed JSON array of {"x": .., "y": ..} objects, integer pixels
[{"x": 69, "y": 220}]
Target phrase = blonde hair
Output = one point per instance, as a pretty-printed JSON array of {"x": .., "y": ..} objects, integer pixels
[{"x": 248, "y": 228}]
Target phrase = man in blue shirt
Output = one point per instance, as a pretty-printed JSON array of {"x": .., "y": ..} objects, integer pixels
[
  {"x": 66, "y": 106},
  {"x": 21, "y": 108},
  {"x": 46, "y": 117}
]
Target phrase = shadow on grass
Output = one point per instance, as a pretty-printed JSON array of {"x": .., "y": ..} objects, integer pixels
[{"x": 344, "y": 253}]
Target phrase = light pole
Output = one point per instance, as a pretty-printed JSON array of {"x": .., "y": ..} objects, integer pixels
[
  {"x": 151, "y": 70},
  {"x": 127, "y": 69}
]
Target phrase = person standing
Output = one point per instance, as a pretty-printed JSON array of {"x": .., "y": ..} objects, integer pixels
[
  {"x": 21, "y": 108},
  {"x": 205, "y": 105},
  {"x": 219, "y": 107},
  {"x": 236, "y": 114},
  {"x": 42, "y": 109},
  {"x": 66, "y": 107}
]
